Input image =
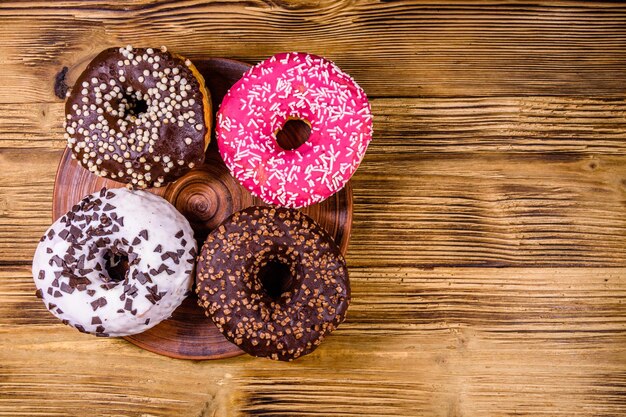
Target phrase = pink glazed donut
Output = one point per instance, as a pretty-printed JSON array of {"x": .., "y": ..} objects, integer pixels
[{"x": 294, "y": 86}]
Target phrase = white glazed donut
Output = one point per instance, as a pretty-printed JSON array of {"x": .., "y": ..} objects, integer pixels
[{"x": 75, "y": 272}]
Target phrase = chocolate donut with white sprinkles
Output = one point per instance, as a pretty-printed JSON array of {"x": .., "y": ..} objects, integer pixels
[
  {"x": 117, "y": 264},
  {"x": 139, "y": 116},
  {"x": 236, "y": 265}
]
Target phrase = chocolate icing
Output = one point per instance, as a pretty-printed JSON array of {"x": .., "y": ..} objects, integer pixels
[
  {"x": 138, "y": 116},
  {"x": 230, "y": 286}
]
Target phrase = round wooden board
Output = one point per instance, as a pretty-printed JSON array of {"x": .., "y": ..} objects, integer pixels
[{"x": 206, "y": 196}]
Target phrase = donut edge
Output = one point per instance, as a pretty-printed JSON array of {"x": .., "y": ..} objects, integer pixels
[{"x": 206, "y": 97}]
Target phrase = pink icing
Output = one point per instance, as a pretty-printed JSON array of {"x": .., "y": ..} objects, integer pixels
[{"x": 302, "y": 86}]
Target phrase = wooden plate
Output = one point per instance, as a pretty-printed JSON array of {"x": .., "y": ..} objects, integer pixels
[{"x": 205, "y": 196}]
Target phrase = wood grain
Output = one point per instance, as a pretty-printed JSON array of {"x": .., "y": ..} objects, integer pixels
[
  {"x": 423, "y": 209},
  {"x": 444, "y": 342},
  {"x": 394, "y": 48},
  {"x": 489, "y": 210},
  {"x": 488, "y": 251},
  {"x": 539, "y": 124}
]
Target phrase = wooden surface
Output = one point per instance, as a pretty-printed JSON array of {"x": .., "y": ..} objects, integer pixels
[{"x": 488, "y": 253}]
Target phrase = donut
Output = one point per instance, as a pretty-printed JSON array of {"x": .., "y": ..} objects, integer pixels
[
  {"x": 138, "y": 116},
  {"x": 116, "y": 264},
  {"x": 291, "y": 318},
  {"x": 291, "y": 86}
]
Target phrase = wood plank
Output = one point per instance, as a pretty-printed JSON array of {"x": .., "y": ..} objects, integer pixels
[
  {"x": 32, "y": 125},
  {"x": 488, "y": 256},
  {"x": 391, "y": 48},
  {"x": 405, "y": 125},
  {"x": 500, "y": 124},
  {"x": 419, "y": 209},
  {"x": 442, "y": 342},
  {"x": 25, "y": 201},
  {"x": 489, "y": 210}
]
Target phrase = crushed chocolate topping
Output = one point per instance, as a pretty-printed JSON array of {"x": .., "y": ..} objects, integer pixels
[{"x": 284, "y": 324}]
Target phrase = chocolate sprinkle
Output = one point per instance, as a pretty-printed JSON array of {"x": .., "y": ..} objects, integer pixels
[
  {"x": 100, "y": 302},
  {"x": 143, "y": 278},
  {"x": 56, "y": 259},
  {"x": 76, "y": 281},
  {"x": 66, "y": 288}
]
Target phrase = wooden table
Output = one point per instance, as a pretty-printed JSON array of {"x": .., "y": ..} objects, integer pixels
[{"x": 488, "y": 251}]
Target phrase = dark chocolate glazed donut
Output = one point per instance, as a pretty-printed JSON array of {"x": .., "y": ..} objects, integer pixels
[
  {"x": 139, "y": 116},
  {"x": 230, "y": 281}
]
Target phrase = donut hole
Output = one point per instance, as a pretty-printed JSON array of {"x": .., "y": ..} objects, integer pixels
[
  {"x": 276, "y": 279},
  {"x": 293, "y": 134},
  {"x": 116, "y": 265},
  {"x": 135, "y": 106}
]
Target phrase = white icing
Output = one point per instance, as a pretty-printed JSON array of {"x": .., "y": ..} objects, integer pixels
[{"x": 140, "y": 211}]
